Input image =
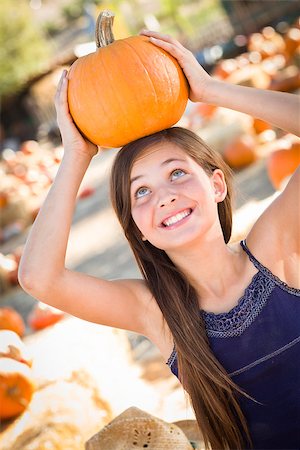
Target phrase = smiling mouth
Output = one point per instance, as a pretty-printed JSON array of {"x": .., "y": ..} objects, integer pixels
[{"x": 176, "y": 218}]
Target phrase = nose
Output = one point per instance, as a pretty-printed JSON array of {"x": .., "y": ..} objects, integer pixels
[{"x": 166, "y": 197}]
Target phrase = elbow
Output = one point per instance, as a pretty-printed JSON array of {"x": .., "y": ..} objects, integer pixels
[
  {"x": 35, "y": 283},
  {"x": 25, "y": 280},
  {"x": 28, "y": 279}
]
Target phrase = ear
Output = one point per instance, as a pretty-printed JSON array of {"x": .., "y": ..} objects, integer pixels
[
  {"x": 219, "y": 185},
  {"x": 143, "y": 238}
]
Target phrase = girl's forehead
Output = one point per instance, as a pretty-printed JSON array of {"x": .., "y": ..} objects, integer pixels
[{"x": 158, "y": 154}]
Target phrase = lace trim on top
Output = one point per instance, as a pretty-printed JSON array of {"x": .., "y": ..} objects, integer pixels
[{"x": 235, "y": 322}]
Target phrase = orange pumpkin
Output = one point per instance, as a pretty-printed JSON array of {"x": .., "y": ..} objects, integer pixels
[
  {"x": 16, "y": 387},
  {"x": 10, "y": 319},
  {"x": 11, "y": 346},
  {"x": 260, "y": 126},
  {"x": 43, "y": 316},
  {"x": 282, "y": 163},
  {"x": 127, "y": 89},
  {"x": 240, "y": 152}
]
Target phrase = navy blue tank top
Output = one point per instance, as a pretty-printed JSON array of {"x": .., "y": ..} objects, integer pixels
[{"x": 258, "y": 344}]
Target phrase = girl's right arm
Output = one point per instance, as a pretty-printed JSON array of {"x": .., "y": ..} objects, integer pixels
[{"x": 42, "y": 271}]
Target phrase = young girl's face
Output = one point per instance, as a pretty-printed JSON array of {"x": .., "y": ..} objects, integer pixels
[{"x": 173, "y": 200}]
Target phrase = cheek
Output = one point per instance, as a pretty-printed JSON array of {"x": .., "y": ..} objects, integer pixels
[{"x": 139, "y": 218}]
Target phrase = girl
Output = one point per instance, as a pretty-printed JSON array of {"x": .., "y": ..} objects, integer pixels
[{"x": 226, "y": 317}]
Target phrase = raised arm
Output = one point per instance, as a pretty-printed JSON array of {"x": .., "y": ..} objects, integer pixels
[
  {"x": 280, "y": 109},
  {"x": 42, "y": 272}
]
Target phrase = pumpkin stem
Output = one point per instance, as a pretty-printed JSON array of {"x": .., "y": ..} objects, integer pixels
[{"x": 103, "y": 34}]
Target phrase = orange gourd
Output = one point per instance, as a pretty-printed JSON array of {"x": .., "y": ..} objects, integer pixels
[
  {"x": 240, "y": 152},
  {"x": 260, "y": 126},
  {"x": 43, "y": 316},
  {"x": 282, "y": 163},
  {"x": 11, "y": 320},
  {"x": 11, "y": 346},
  {"x": 127, "y": 89},
  {"x": 16, "y": 387}
]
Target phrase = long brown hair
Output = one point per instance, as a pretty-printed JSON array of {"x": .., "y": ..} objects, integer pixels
[{"x": 212, "y": 392}]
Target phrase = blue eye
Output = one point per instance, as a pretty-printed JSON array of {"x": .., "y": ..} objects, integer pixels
[
  {"x": 177, "y": 173},
  {"x": 141, "y": 192}
]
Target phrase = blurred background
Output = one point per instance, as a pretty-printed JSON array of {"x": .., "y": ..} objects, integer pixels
[{"x": 71, "y": 362}]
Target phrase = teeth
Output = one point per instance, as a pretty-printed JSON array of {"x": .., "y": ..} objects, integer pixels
[{"x": 174, "y": 219}]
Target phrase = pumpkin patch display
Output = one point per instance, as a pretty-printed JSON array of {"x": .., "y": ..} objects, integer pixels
[
  {"x": 282, "y": 163},
  {"x": 16, "y": 387},
  {"x": 127, "y": 89},
  {"x": 10, "y": 319}
]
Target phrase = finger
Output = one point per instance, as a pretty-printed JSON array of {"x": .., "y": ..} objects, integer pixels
[
  {"x": 163, "y": 37},
  {"x": 60, "y": 84},
  {"x": 173, "y": 49},
  {"x": 61, "y": 98}
]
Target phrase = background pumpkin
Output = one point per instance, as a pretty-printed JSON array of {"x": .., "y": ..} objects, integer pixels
[
  {"x": 240, "y": 152},
  {"x": 127, "y": 89},
  {"x": 16, "y": 387},
  {"x": 43, "y": 315},
  {"x": 11, "y": 320},
  {"x": 282, "y": 163}
]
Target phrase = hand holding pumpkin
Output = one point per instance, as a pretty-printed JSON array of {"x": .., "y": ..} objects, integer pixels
[
  {"x": 72, "y": 139},
  {"x": 197, "y": 77}
]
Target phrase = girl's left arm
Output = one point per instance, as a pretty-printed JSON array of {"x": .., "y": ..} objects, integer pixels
[{"x": 278, "y": 108}]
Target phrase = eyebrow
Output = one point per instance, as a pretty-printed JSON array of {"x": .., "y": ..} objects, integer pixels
[{"x": 167, "y": 161}]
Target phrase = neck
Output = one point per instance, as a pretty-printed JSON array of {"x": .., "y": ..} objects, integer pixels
[{"x": 212, "y": 267}]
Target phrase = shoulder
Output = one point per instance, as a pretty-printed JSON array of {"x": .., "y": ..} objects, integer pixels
[{"x": 275, "y": 237}]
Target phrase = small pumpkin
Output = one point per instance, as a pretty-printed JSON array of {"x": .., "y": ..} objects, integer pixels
[
  {"x": 260, "y": 126},
  {"x": 240, "y": 152},
  {"x": 11, "y": 346},
  {"x": 10, "y": 319},
  {"x": 16, "y": 387},
  {"x": 282, "y": 163},
  {"x": 127, "y": 89},
  {"x": 43, "y": 316}
]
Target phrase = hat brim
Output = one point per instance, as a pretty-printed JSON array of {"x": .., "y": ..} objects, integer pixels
[{"x": 191, "y": 430}]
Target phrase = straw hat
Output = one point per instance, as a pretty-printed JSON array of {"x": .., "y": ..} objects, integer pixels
[
  {"x": 192, "y": 432},
  {"x": 135, "y": 429}
]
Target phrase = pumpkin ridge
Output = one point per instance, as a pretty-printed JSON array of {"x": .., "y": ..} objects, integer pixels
[
  {"x": 74, "y": 100},
  {"x": 82, "y": 87},
  {"x": 111, "y": 85},
  {"x": 146, "y": 71},
  {"x": 169, "y": 84},
  {"x": 138, "y": 106},
  {"x": 105, "y": 110}
]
